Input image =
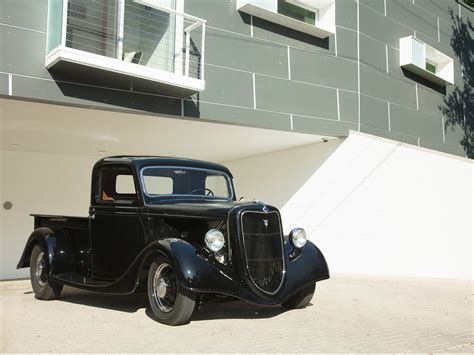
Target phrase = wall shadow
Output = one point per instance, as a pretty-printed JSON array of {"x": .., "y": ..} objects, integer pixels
[{"x": 458, "y": 104}]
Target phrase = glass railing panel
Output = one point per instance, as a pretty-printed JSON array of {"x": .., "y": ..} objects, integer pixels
[{"x": 55, "y": 22}]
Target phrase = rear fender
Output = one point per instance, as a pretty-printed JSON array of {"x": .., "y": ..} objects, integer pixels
[{"x": 43, "y": 237}]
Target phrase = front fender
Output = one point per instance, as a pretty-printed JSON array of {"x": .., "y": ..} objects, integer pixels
[
  {"x": 43, "y": 237},
  {"x": 201, "y": 274}
]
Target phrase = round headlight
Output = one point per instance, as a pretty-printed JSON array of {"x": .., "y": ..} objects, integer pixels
[
  {"x": 298, "y": 237},
  {"x": 214, "y": 239}
]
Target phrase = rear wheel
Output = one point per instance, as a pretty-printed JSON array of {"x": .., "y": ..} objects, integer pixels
[
  {"x": 170, "y": 302},
  {"x": 43, "y": 288},
  {"x": 301, "y": 299}
]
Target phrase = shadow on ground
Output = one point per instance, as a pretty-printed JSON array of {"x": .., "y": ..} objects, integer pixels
[{"x": 228, "y": 309}]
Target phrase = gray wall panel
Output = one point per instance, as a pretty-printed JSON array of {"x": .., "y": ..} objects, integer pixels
[
  {"x": 322, "y": 69},
  {"x": 453, "y": 135},
  {"x": 372, "y": 53},
  {"x": 236, "y": 115},
  {"x": 276, "y": 33},
  {"x": 413, "y": 16},
  {"x": 228, "y": 86},
  {"x": 377, "y": 5},
  {"x": 25, "y": 13},
  {"x": 346, "y": 43},
  {"x": 429, "y": 101},
  {"x": 4, "y": 84},
  {"x": 389, "y": 135},
  {"x": 373, "y": 82},
  {"x": 416, "y": 123},
  {"x": 348, "y": 106},
  {"x": 221, "y": 14},
  {"x": 346, "y": 14},
  {"x": 373, "y": 112},
  {"x": 296, "y": 98},
  {"x": 438, "y": 8},
  {"x": 322, "y": 127},
  {"x": 22, "y": 52},
  {"x": 72, "y": 94},
  {"x": 382, "y": 28},
  {"x": 456, "y": 150},
  {"x": 246, "y": 53}
]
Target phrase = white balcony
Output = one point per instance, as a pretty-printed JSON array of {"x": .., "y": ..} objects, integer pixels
[
  {"x": 426, "y": 61},
  {"x": 137, "y": 39},
  {"x": 314, "y": 17}
]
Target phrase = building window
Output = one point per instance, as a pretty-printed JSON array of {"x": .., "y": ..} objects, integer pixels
[
  {"x": 287, "y": 8},
  {"x": 431, "y": 67},
  {"x": 426, "y": 61},
  {"x": 314, "y": 17}
]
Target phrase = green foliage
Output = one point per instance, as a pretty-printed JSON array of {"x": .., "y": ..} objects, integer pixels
[{"x": 458, "y": 106}]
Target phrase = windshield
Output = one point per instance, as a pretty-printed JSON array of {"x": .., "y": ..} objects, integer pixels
[{"x": 185, "y": 181}]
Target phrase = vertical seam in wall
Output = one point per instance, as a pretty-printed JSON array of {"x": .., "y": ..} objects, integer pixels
[
  {"x": 251, "y": 26},
  {"x": 10, "y": 84},
  {"x": 437, "y": 19},
  {"x": 416, "y": 94},
  {"x": 338, "y": 107},
  {"x": 182, "y": 107},
  {"x": 254, "y": 95},
  {"x": 386, "y": 57},
  {"x": 418, "y": 141},
  {"x": 414, "y": 33},
  {"x": 385, "y": 7},
  {"x": 389, "y": 119},
  {"x": 442, "y": 129},
  {"x": 289, "y": 62},
  {"x": 335, "y": 43},
  {"x": 358, "y": 68},
  {"x": 291, "y": 121}
]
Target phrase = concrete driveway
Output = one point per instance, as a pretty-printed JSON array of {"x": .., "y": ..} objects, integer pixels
[{"x": 348, "y": 314}]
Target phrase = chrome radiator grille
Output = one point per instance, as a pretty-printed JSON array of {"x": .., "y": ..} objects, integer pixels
[{"x": 263, "y": 246}]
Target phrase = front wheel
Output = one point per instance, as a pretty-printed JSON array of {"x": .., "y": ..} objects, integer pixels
[
  {"x": 43, "y": 288},
  {"x": 301, "y": 299},
  {"x": 170, "y": 302}
]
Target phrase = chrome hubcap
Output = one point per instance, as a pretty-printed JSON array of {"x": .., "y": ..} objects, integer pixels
[
  {"x": 40, "y": 271},
  {"x": 164, "y": 288}
]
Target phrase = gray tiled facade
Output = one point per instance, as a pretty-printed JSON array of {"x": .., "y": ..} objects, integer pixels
[{"x": 264, "y": 75}]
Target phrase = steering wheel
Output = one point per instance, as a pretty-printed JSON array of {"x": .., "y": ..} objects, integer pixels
[{"x": 208, "y": 192}]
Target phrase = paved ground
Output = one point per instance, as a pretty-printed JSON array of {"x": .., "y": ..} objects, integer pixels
[{"x": 348, "y": 314}]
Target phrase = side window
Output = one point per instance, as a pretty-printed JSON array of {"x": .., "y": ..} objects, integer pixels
[{"x": 116, "y": 186}]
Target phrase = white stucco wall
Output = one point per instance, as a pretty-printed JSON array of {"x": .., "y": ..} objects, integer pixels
[
  {"x": 38, "y": 183},
  {"x": 374, "y": 206}
]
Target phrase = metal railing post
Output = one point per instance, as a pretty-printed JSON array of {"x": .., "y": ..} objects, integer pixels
[
  {"x": 203, "y": 46},
  {"x": 188, "y": 44}
]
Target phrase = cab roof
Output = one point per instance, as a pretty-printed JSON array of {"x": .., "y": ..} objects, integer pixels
[{"x": 139, "y": 162}]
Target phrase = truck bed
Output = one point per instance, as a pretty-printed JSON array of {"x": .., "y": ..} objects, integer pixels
[{"x": 56, "y": 222}]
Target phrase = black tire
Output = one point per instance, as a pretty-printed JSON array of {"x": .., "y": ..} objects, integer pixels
[
  {"x": 170, "y": 303},
  {"x": 43, "y": 288},
  {"x": 301, "y": 299}
]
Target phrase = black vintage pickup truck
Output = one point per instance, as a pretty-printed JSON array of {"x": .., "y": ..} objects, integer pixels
[{"x": 173, "y": 227}]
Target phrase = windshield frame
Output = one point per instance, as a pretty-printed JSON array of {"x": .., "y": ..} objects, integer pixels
[{"x": 230, "y": 185}]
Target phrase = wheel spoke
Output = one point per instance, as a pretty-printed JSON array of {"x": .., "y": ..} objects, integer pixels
[{"x": 164, "y": 288}]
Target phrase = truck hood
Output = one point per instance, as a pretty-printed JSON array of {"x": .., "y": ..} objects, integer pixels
[{"x": 199, "y": 209}]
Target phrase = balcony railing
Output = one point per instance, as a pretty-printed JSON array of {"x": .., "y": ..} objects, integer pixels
[{"x": 137, "y": 38}]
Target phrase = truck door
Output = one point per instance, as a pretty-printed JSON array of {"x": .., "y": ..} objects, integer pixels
[{"x": 116, "y": 232}]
